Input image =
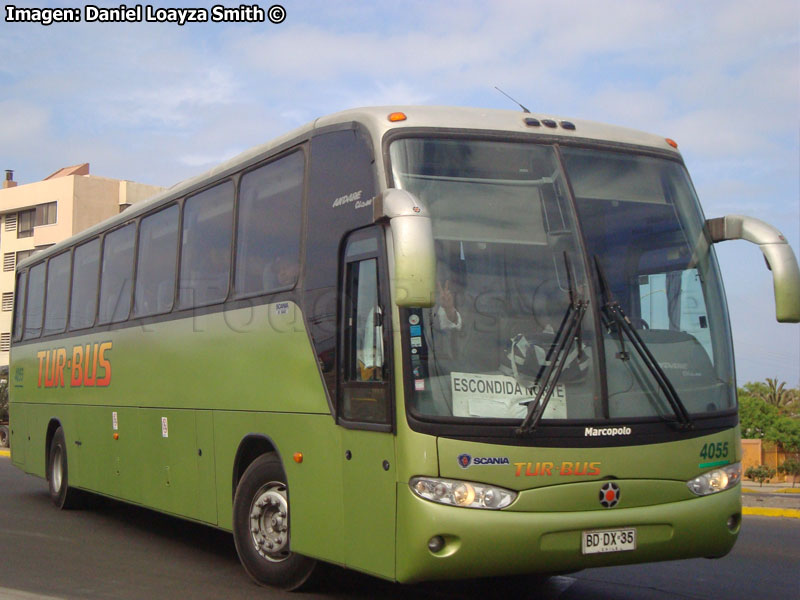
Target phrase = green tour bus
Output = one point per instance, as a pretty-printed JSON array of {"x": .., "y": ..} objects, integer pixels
[{"x": 420, "y": 342}]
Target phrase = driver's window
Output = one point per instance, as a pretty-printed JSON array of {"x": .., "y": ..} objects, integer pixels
[
  {"x": 365, "y": 396},
  {"x": 365, "y": 322}
]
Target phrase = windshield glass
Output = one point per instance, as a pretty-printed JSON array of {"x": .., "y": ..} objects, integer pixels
[
  {"x": 641, "y": 222},
  {"x": 508, "y": 256}
]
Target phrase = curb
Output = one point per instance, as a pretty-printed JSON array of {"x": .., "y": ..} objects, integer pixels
[
  {"x": 5, "y": 452},
  {"x": 791, "y": 513}
]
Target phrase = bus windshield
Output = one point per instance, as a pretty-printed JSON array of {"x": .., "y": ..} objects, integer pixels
[{"x": 524, "y": 234}]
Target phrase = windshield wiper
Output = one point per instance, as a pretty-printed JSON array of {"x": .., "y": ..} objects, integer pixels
[
  {"x": 556, "y": 359},
  {"x": 614, "y": 313}
]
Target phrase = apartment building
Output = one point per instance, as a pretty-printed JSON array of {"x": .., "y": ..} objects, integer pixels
[{"x": 36, "y": 215}]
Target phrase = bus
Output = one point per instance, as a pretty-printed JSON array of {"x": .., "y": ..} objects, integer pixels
[{"x": 419, "y": 342}]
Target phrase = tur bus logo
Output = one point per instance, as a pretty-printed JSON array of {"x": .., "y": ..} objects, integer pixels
[{"x": 88, "y": 367}]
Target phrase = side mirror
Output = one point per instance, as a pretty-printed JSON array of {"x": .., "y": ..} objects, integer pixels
[
  {"x": 414, "y": 253},
  {"x": 777, "y": 252}
]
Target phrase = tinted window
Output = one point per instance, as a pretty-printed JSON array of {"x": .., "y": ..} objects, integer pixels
[
  {"x": 206, "y": 247},
  {"x": 117, "y": 275},
  {"x": 155, "y": 268},
  {"x": 19, "y": 309},
  {"x": 35, "y": 304},
  {"x": 340, "y": 195},
  {"x": 55, "y": 317},
  {"x": 85, "y": 277},
  {"x": 268, "y": 242}
]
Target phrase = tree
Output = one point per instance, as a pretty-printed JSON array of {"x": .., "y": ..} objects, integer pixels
[
  {"x": 773, "y": 393},
  {"x": 791, "y": 466},
  {"x": 785, "y": 432},
  {"x": 761, "y": 473},
  {"x": 756, "y": 417}
]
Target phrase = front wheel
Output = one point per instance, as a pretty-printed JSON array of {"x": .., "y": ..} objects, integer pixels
[
  {"x": 58, "y": 474},
  {"x": 261, "y": 527}
]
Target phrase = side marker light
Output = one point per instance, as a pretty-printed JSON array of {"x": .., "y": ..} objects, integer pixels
[
  {"x": 672, "y": 143},
  {"x": 298, "y": 457},
  {"x": 397, "y": 116}
]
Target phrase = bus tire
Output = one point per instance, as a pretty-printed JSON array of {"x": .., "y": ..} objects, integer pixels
[
  {"x": 261, "y": 527},
  {"x": 61, "y": 494}
]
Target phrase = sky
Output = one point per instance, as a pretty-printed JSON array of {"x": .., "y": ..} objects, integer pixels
[{"x": 159, "y": 102}]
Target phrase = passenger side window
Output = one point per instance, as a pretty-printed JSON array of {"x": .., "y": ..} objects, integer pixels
[
  {"x": 85, "y": 279},
  {"x": 155, "y": 267},
  {"x": 55, "y": 316},
  {"x": 268, "y": 245},
  {"x": 35, "y": 303},
  {"x": 206, "y": 247},
  {"x": 117, "y": 275}
]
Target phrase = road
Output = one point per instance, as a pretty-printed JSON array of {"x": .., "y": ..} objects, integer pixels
[{"x": 115, "y": 551}]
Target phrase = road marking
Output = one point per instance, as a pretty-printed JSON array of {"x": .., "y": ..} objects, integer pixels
[
  {"x": 34, "y": 534},
  {"x": 791, "y": 513},
  {"x": 9, "y": 594}
]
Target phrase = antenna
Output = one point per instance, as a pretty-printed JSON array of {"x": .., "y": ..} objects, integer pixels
[{"x": 514, "y": 101}]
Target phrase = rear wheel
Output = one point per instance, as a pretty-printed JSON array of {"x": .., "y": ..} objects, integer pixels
[
  {"x": 58, "y": 474},
  {"x": 261, "y": 527}
]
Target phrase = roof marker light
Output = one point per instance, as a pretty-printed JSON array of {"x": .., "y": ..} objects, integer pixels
[
  {"x": 397, "y": 116},
  {"x": 672, "y": 143}
]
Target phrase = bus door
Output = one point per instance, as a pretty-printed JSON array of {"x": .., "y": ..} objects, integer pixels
[{"x": 364, "y": 407}]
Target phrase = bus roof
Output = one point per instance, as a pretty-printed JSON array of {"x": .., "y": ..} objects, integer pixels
[{"x": 376, "y": 121}]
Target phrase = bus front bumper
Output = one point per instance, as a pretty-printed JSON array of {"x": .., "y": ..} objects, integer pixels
[{"x": 483, "y": 543}]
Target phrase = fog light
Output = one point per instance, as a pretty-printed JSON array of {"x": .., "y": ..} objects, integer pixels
[
  {"x": 733, "y": 521},
  {"x": 436, "y": 543}
]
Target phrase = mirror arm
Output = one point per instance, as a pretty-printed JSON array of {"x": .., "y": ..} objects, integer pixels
[{"x": 778, "y": 255}]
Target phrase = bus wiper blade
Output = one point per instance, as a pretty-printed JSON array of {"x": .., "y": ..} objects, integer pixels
[
  {"x": 614, "y": 313},
  {"x": 556, "y": 359}
]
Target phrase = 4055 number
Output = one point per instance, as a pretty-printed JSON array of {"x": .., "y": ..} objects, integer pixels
[{"x": 714, "y": 450}]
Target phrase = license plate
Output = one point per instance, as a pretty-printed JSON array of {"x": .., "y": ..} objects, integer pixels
[{"x": 608, "y": 540}]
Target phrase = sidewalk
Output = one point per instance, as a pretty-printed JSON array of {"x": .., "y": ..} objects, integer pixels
[{"x": 771, "y": 499}]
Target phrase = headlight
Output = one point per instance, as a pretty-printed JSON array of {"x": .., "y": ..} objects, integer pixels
[
  {"x": 716, "y": 480},
  {"x": 461, "y": 493}
]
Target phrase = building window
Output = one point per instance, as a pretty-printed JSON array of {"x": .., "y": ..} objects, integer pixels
[
  {"x": 11, "y": 222},
  {"x": 46, "y": 213},
  {"x": 8, "y": 301},
  {"x": 5, "y": 342},
  {"x": 9, "y": 261},
  {"x": 25, "y": 220}
]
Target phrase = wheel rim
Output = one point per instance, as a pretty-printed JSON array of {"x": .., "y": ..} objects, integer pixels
[
  {"x": 57, "y": 468},
  {"x": 269, "y": 522}
]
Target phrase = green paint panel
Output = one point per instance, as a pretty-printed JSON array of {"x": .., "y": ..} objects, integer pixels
[
  {"x": 315, "y": 485},
  {"x": 369, "y": 501},
  {"x": 584, "y": 496},
  {"x": 18, "y": 429},
  {"x": 517, "y": 539},
  {"x": 522, "y": 468}
]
